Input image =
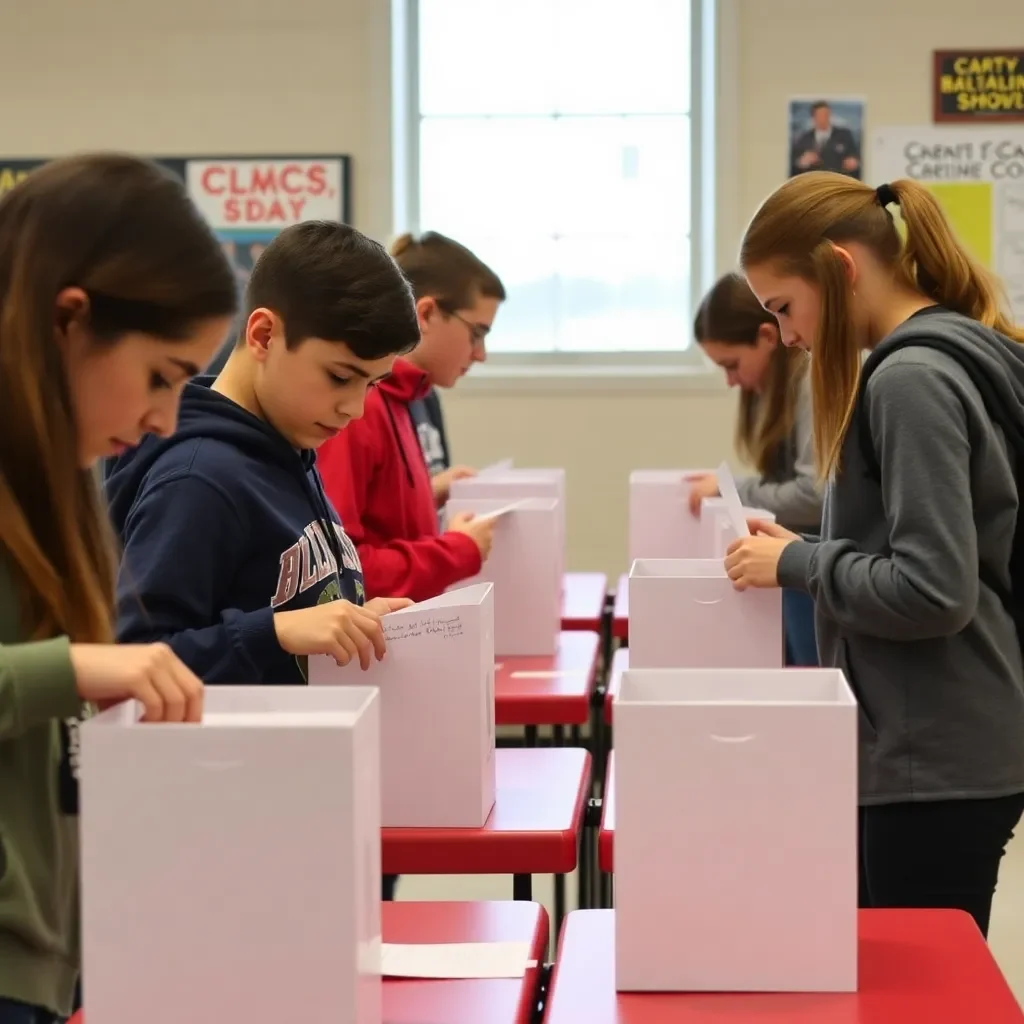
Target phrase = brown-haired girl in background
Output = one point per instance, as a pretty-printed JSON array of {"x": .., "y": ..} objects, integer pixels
[
  {"x": 911, "y": 577},
  {"x": 773, "y": 430},
  {"x": 113, "y": 293}
]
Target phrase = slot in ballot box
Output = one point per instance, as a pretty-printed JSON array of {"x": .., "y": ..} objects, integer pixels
[
  {"x": 735, "y": 831},
  {"x": 686, "y": 613},
  {"x": 525, "y": 568},
  {"x": 661, "y": 524},
  {"x": 438, "y": 669},
  {"x": 210, "y": 849}
]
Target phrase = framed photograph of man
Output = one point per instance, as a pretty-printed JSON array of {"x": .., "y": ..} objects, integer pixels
[{"x": 826, "y": 135}]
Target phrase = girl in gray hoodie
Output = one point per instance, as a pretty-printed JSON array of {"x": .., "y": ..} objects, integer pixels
[{"x": 911, "y": 575}]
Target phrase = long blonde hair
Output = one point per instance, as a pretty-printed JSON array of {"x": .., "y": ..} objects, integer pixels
[
  {"x": 731, "y": 315},
  {"x": 795, "y": 233}
]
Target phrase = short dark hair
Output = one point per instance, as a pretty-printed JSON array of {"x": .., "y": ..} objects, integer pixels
[
  {"x": 328, "y": 280},
  {"x": 445, "y": 270},
  {"x": 820, "y": 105}
]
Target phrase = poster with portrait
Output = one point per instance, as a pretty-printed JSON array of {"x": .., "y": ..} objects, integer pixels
[{"x": 826, "y": 134}]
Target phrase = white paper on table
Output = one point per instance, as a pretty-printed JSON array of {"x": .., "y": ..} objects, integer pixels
[
  {"x": 731, "y": 496},
  {"x": 503, "y": 511},
  {"x": 455, "y": 959}
]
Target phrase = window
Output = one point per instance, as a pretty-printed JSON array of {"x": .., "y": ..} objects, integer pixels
[{"x": 553, "y": 137}]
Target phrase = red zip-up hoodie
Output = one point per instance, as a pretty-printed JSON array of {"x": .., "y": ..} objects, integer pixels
[{"x": 376, "y": 477}]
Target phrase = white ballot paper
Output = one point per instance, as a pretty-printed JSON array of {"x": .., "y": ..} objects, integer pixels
[
  {"x": 503, "y": 511},
  {"x": 733, "y": 505},
  {"x": 455, "y": 959}
]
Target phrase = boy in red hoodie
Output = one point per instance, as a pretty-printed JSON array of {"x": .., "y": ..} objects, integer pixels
[{"x": 375, "y": 472}]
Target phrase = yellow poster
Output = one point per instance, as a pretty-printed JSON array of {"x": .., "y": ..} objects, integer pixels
[{"x": 977, "y": 174}]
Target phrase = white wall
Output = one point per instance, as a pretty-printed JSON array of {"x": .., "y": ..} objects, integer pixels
[{"x": 259, "y": 76}]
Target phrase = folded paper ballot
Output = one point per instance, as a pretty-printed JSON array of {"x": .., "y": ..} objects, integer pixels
[
  {"x": 497, "y": 513},
  {"x": 731, "y": 496},
  {"x": 455, "y": 960}
]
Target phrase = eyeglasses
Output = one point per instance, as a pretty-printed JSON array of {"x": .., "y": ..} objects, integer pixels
[{"x": 477, "y": 332}]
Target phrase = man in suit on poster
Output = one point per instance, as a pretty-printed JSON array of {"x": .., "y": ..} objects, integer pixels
[{"x": 825, "y": 146}]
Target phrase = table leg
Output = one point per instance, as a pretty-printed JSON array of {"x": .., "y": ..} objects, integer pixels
[
  {"x": 607, "y": 893},
  {"x": 559, "y": 902},
  {"x": 531, "y": 735},
  {"x": 577, "y": 736},
  {"x": 522, "y": 887},
  {"x": 558, "y": 736}
]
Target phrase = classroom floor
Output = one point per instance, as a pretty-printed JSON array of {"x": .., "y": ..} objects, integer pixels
[{"x": 1006, "y": 934}]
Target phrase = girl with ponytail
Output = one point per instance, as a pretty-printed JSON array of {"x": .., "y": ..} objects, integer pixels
[{"x": 914, "y": 600}]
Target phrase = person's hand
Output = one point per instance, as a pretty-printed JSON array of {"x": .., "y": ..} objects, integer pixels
[
  {"x": 850, "y": 164},
  {"x": 383, "y": 605},
  {"x": 479, "y": 529},
  {"x": 442, "y": 482},
  {"x": 341, "y": 629},
  {"x": 106, "y": 674},
  {"x": 808, "y": 159},
  {"x": 702, "y": 485},
  {"x": 754, "y": 561}
]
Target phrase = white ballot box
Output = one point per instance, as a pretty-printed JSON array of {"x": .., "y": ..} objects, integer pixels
[
  {"x": 686, "y": 613},
  {"x": 231, "y": 870},
  {"x": 501, "y": 482},
  {"x": 437, "y": 709},
  {"x": 525, "y": 568},
  {"x": 661, "y": 524},
  {"x": 735, "y": 831}
]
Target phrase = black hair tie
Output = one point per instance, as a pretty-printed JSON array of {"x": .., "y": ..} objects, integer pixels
[{"x": 885, "y": 196}]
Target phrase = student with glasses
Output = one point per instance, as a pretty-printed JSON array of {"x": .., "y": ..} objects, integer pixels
[{"x": 389, "y": 473}]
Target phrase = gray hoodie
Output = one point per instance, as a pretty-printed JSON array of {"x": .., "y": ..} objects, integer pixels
[
  {"x": 931, "y": 652},
  {"x": 791, "y": 492}
]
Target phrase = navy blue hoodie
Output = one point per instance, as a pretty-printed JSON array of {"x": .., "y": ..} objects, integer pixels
[{"x": 224, "y": 524}]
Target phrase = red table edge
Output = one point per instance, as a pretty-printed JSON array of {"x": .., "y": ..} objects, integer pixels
[
  {"x": 470, "y": 861},
  {"x": 560, "y": 709},
  {"x": 528, "y": 993}
]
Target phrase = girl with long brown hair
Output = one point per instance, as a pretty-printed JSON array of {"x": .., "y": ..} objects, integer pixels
[
  {"x": 113, "y": 292},
  {"x": 773, "y": 429},
  {"x": 911, "y": 576}
]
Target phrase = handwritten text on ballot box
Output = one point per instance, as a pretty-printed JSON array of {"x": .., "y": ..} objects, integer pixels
[
  {"x": 735, "y": 831},
  {"x": 661, "y": 524},
  {"x": 437, "y": 709},
  {"x": 232, "y": 867},
  {"x": 505, "y": 483},
  {"x": 526, "y": 572},
  {"x": 685, "y": 613}
]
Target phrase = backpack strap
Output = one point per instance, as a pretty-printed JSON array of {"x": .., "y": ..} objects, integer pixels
[{"x": 1009, "y": 418}]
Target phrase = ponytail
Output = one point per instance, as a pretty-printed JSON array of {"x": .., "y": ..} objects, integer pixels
[
  {"x": 941, "y": 268},
  {"x": 401, "y": 245}
]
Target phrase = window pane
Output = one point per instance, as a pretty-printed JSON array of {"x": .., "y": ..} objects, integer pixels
[
  {"x": 624, "y": 174},
  {"x": 487, "y": 56},
  {"x": 622, "y": 56},
  {"x": 526, "y": 266},
  {"x": 496, "y": 171},
  {"x": 621, "y": 293}
]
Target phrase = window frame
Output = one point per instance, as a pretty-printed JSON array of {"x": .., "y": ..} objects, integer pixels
[{"x": 712, "y": 120}]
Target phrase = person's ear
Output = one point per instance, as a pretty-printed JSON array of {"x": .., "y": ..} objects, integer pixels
[
  {"x": 71, "y": 317},
  {"x": 260, "y": 330},
  {"x": 427, "y": 310},
  {"x": 849, "y": 264},
  {"x": 767, "y": 334}
]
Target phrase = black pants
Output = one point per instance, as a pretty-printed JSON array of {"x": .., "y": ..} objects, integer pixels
[
  {"x": 19, "y": 1013},
  {"x": 942, "y": 854}
]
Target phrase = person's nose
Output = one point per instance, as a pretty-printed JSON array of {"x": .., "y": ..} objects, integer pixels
[
  {"x": 161, "y": 420},
  {"x": 732, "y": 378},
  {"x": 353, "y": 404},
  {"x": 789, "y": 337}
]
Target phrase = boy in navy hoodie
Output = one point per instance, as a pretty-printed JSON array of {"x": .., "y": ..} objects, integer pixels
[{"x": 232, "y": 554}]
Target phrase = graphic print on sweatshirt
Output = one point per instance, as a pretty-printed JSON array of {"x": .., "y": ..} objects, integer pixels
[{"x": 310, "y": 561}]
